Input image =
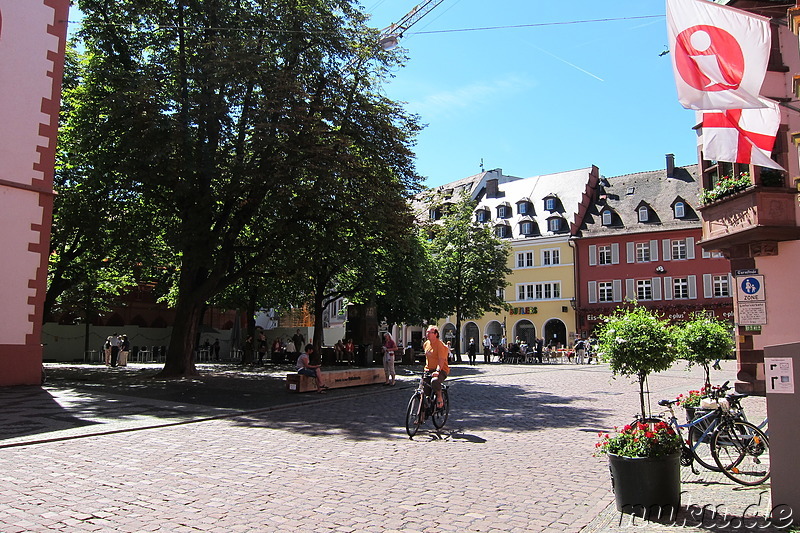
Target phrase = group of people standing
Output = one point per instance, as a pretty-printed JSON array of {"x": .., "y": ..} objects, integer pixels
[{"x": 116, "y": 350}]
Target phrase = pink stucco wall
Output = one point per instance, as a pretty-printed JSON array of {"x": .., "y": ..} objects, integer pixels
[
  {"x": 32, "y": 35},
  {"x": 780, "y": 270}
]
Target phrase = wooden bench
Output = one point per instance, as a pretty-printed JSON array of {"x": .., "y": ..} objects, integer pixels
[{"x": 336, "y": 379}]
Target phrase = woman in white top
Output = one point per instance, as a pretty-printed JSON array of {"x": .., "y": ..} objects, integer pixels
[{"x": 389, "y": 349}]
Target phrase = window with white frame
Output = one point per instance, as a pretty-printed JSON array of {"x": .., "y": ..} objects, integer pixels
[
  {"x": 604, "y": 256},
  {"x": 483, "y": 215},
  {"x": 524, "y": 259},
  {"x": 554, "y": 224},
  {"x": 502, "y": 232},
  {"x": 644, "y": 289},
  {"x": 540, "y": 291},
  {"x": 680, "y": 288},
  {"x": 606, "y": 217},
  {"x": 503, "y": 211},
  {"x": 642, "y": 252},
  {"x": 680, "y": 209},
  {"x": 721, "y": 287},
  {"x": 605, "y": 291},
  {"x": 551, "y": 257},
  {"x": 550, "y": 204},
  {"x": 501, "y": 293},
  {"x": 679, "y": 249},
  {"x": 644, "y": 214},
  {"x": 435, "y": 213},
  {"x": 524, "y": 208},
  {"x": 526, "y": 228}
]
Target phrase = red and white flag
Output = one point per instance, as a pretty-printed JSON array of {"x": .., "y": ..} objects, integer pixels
[
  {"x": 719, "y": 54},
  {"x": 742, "y": 135}
]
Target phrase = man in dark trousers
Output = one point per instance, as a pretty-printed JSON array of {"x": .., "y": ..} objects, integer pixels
[
  {"x": 487, "y": 349},
  {"x": 298, "y": 341}
]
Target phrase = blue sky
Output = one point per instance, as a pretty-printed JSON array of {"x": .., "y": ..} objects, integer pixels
[{"x": 537, "y": 100}]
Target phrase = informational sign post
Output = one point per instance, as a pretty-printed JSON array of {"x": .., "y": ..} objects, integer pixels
[{"x": 751, "y": 300}]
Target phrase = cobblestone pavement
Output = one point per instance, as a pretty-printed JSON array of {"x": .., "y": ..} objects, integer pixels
[{"x": 110, "y": 451}]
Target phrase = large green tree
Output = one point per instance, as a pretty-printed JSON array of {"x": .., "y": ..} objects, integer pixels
[
  {"x": 228, "y": 117},
  {"x": 102, "y": 237},
  {"x": 470, "y": 264}
]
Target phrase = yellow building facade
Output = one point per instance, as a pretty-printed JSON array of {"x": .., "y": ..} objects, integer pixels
[{"x": 537, "y": 216}]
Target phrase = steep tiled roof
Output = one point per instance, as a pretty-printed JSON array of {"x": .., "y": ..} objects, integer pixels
[{"x": 624, "y": 195}]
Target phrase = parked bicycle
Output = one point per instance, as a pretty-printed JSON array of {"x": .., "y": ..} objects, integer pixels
[
  {"x": 721, "y": 434},
  {"x": 422, "y": 406}
]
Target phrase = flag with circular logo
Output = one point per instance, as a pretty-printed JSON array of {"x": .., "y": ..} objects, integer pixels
[{"x": 719, "y": 54}]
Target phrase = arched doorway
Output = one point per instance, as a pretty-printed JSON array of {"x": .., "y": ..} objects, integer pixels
[
  {"x": 471, "y": 331},
  {"x": 495, "y": 331},
  {"x": 525, "y": 331},
  {"x": 449, "y": 334},
  {"x": 555, "y": 331}
]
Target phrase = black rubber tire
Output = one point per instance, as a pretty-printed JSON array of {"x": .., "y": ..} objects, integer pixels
[
  {"x": 414, "y": 414},
  {"x": 702, "y": 454},
  {"x": 440, "y": 415},
  {"x": 741, "y": 451}
]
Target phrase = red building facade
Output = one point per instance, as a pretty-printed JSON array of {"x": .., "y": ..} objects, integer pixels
[{"x": 641, "y": 243}]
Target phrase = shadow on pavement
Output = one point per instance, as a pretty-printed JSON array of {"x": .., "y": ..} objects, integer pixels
[{"x": 78, "y": 396}]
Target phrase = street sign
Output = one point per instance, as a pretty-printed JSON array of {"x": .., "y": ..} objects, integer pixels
[
  {"x": 750, "y": 289},
  {"x": 751, "y": 300},
  {"x": 746, "y": 272}
]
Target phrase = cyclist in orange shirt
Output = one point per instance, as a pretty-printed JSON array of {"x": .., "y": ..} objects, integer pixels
[{"x": 436, "y": 367}]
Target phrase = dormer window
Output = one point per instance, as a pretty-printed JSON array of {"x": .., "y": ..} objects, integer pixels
[
  {"x": 554, "y": 224},
  {"x": 482, "y": 215},
  {"x": 644, "y": 214},
  {"x": 607, "y": 217},
  {"x": 526, "y": 228},
  {"x": 680, "y": 209},
  {"x": 550, "y": 203},
  {"x": 503, "y": 231},
  {"x": 524, "y": 207},
  {"x": 435, "y": 213},
  {"x": 503, "y": 211}
]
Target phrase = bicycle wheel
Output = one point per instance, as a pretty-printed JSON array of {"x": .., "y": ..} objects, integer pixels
[
  {"x": 440, "y": 414},
  {"x": 414, "y": 414},
  {"x": 741, "y": 451},
  {"x": 702, "y": 452}
]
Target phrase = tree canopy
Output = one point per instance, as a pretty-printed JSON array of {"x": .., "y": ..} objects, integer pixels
[
  {"x": 470, "y": 264},
  {"x": 250, "y": 130}
]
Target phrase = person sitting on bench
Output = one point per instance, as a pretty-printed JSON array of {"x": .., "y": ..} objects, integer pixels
[{"x": 305, "y": 368}]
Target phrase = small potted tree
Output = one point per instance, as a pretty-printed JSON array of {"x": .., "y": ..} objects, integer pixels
[
  {"x": 644, "y": 459},
  {"x": 703, "y": 340}
]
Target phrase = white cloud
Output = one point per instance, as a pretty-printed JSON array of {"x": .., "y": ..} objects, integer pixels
[{"x": 445, "y": 104}]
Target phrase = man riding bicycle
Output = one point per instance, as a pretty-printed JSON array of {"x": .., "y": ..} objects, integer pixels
[{"x": 436, "y": 367}]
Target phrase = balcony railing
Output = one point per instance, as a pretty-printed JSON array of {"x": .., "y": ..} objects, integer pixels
[{"x": 749, "y": 216}]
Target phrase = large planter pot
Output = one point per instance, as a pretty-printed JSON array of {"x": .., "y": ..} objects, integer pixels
[{"x": 645, "y": 486}]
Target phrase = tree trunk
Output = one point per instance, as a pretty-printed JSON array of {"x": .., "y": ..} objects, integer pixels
[
  {"x": 458, "y": 337},
  {"x": 249, "y": 354},
  {"x": 319, "y": 308},
  {"x": 641, "y": 395},
  {"x": 180, "y": 353}
]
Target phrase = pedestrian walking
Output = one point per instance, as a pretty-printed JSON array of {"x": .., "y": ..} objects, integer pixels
[
  {"x": 580, "y": 351},
  {"x": 389, "y": 349},
  {"x": 472, "y": 351},
  {"x": 487, "y": 349}
]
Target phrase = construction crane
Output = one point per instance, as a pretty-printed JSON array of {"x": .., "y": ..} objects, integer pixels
[{"x": 390, "y": 36}]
